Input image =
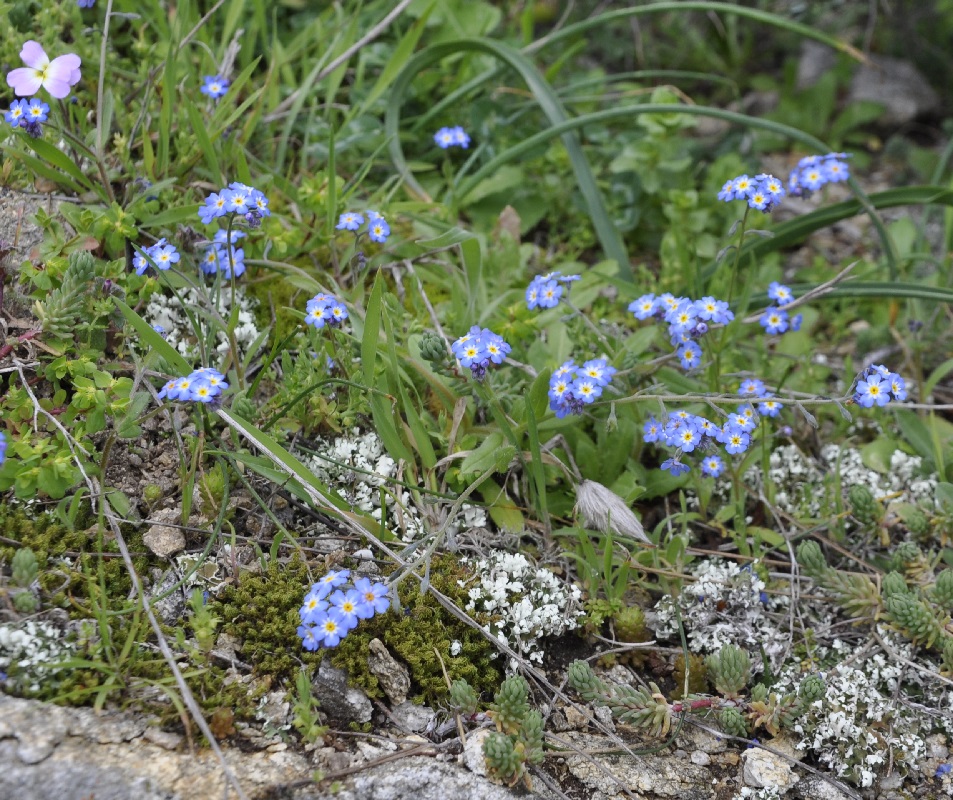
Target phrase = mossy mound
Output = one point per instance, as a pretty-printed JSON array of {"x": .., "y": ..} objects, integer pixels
[
  {"x": 263, "y": 612},
  {"x": 51, "y": 541}
]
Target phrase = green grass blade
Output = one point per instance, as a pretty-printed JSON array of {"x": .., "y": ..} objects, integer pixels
[
  {"x": 204, "y": 142},
  {"x": 559, "y": 37},
  {"x": 151, "y": 338},
  {"x": 402, "y": 52},
  {"x": 383, "y": 414}
]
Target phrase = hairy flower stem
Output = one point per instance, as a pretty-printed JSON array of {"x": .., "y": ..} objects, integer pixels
[
  {"x": 591, "y": 325},
  {"x": 715, "y": 373},
  {"x": 233, "y": 315}
]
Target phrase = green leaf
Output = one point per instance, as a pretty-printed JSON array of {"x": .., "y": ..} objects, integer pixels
[
  {"x": 382, "y": 412},
  {"x": 448, "y": 238},
  {"x": 61, "y": 161},
  {"x": 492, "y": 456},
  {"x": 539, "y": 393},
  {"x": 916, "y": 433},
  {"x": 204, "y": 142}
]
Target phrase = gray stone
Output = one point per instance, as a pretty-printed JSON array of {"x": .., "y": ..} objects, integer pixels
[
  {"x": 761, "y": 769},
  {"x": 816, "y": 61},
  {"x": 393, "y": 676},
  {"x": 163, "y": 539},
  {"x": 165, "y": 739},
  {"x": 339, "y": 701},
  {"x": 891, "y": 781},
  {"x": 412, "y": 717},
  {"x": 613, "y": 775},
  {"x": 419, "y": 778},
  {"x": 701, "y": 758},
  {"x": 813, "y": 787},
  {"x": 898, "y": 86},
  {"x": 171, "y": 607},
  {"x": 472, "y": 756},
  {"x": 82, "y": 755}
]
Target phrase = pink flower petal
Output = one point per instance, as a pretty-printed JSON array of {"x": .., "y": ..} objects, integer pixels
[
  {"x": 57, "y": 87},
  {"x": 61, "y": 73},
  {"x": 34, "y": 55},
  {"x": 70, "y": 62},
  {"x": 24, "y": 81}
]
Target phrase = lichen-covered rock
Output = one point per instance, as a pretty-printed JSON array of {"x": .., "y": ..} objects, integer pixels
[
  {"x": 394, "y": 677},
  {"x": 339, "y": 701}
]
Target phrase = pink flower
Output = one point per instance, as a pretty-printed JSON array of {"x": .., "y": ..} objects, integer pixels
[{"x": 56, "y": 76}]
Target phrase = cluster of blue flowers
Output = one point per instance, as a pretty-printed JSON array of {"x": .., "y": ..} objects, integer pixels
[
  {"x": 214, "y": 86},
  {"x": 163, "y": 255},
  {"x": 85, "y": 3},
  {"x": 689, "y": 433},
  {"x": 29, "y": 115},
  {"x": 3, "y": 447},
  {"x": 325, "y": 309},
  {"x": 222, "y": 255},
  {"x": 544, "y": 291},
  {"x": 201, "y": 386},
  {"x": 571, "y": 387},
  {"x": 775, "y": 320},
  {"x": 479, "y": 348},
  {"x": 237, "y": 198},
  {"x": 812, "y": 172},
  {"x": 877, "y": 386},
  {"x": 331, "y": 610},
  {"x": 452, "y": 137},
  {"x": 688, "y": 320},
  {"x": 762, "y": 192},
  {"x": 377, "y": 228}
]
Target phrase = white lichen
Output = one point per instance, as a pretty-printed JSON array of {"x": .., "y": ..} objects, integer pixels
[
  {"x": 527, "y": 602},
  {"x": 29, "y": 653},
  {"x": 179, "y": 330},
  {"x": 725, "y": 604},
  {"x": 360, "y": 471}
]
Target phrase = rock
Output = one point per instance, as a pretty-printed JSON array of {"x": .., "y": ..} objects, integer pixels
[
  {"x": 612, "y": 775},
  {"x": 393, "y": 676},
  {"x": 761, "y": 769},
  {"x": 816, "y": 61},
  {"x": 472, "y": 756},
  {"x": 701, "y": 758},
  {"x": 575, "y": 718},
  {"x": 898, "y": 86},
  {"x": 161, "y": 538},
  {"x": 813, "y": 787},
  {"x": 419, "y": 778},
  {"x": 412, "y": 718},
  {"x": 165, "y": 739},
  {"x": 338, "y": 700},
  {"x": 83, "y": 754},
  {"x": 171, "y": 607},
  {"x": 936, "y": 747},
  {"x": 604, "y": 715},
  {"x": 891, "y": 781}
]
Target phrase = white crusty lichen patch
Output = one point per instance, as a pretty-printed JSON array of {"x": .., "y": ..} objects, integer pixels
[
  {"x": 876, "y": 710},
  {"x": 527, "y": 602},
  {"x": 29, "y": 653},
  {"x": 360, "y": 471},
  {"x": 725, "y": 603},
  {"x": 802, "y": 487},
  {"x": 179, "y": 331}
]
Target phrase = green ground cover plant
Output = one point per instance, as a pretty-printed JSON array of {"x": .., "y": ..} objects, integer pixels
[{"x": 426, "y": 323}]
